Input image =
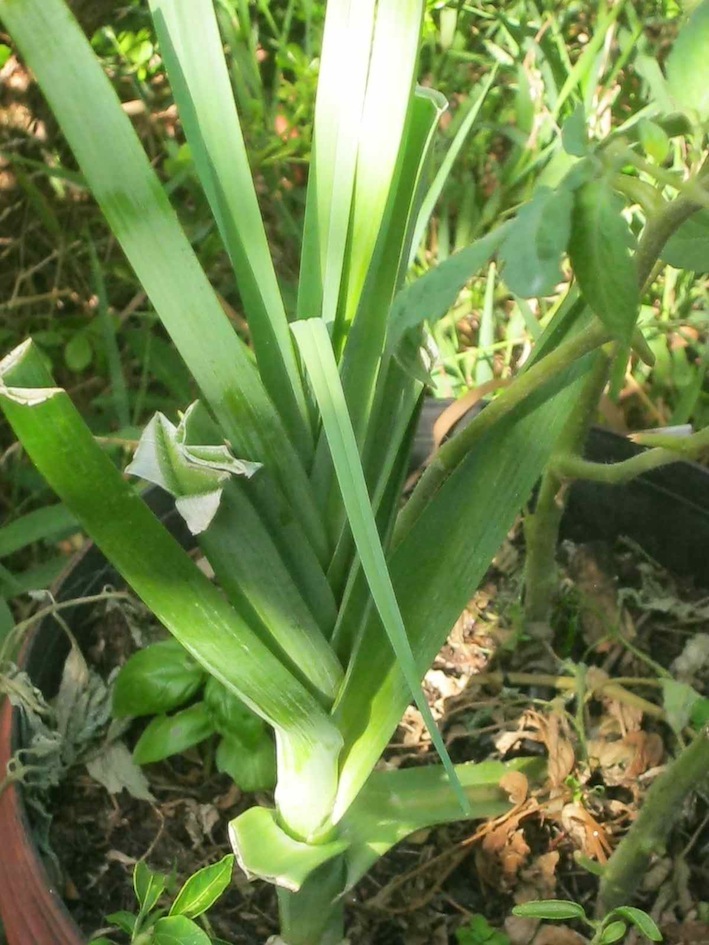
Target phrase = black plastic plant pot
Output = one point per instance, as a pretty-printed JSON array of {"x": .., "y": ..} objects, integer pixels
[{"x": 666, "y": 512}]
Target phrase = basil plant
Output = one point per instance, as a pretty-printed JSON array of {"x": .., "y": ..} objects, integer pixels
[{"x": 330, "y": 598}]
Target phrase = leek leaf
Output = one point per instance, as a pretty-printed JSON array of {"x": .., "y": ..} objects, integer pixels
[
  {"x": 173, "y": 587},
  {"x": 316, "y": 351},
  {"x": 192, "y": 50}
]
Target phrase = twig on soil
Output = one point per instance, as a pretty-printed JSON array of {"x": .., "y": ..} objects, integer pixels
[{"x": 611, "y": 689}]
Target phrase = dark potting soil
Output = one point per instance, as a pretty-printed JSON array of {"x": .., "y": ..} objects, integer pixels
[{"x": 618, "y": 614}]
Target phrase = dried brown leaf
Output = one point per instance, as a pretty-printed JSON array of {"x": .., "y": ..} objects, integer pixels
[{"x": 516, "y": 785}]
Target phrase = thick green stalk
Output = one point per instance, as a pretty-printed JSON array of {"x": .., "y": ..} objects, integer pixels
[
  {"x": 541, "y": 527},
  {"x": 663, "y": 804},
  {"x": 452, "y": 453},
  {"x": 574, "y": 467},
  {"x": 314, "y": 915}
]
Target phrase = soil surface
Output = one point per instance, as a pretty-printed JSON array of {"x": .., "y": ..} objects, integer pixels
[{"x": 619, "y": 617}]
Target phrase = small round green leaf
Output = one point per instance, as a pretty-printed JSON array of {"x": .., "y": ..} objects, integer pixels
[
  {"x": 700, "y": 713},
  {"x": 641, "y": 920},
  {"x": 613, "y": 932},
  {"x": 178, "y": 930},
  {"x": 78, "y": 352},
  {"x": 550, "y": 909},
  {"x": 654, "y": 140},
  {"x": 123, "y": 920},
  {"x": 170, "y": 734},
  {"x": 203, "y": 888},
  {"x": 688, "y": 64},
  {"x": 157, "y": 679}
]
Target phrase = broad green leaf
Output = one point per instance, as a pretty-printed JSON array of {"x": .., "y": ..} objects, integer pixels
[
  {"x": 51, "y": 522},
  {"x": 688, "y": 64},
  {"x": 148, "y": 886},
  {"x": 361, "y": 367},
  {"x": 178, "y": 930},
  {"x": 433, "y": 193},
  {"x": 316, "y": 351},
  {"x": 478, "y": 931},
  {"x": 433, "y": 294},
  {"x": 78, "y": 352},
  {"x": 535, "y": 243},
  {"x": 139, "y": 213},
  {"x": 168, "y": 735},
  {"x": 388, "y": 98},
  {"x": 550, "y": 909},
  {"x": 338, "y": 114},
  {"x": 574, "y": 136},
  {"x": 173, "y": 587},
  {"x": 602, "y": 262},
  {"x": 193, "y": 53},
  {"x": 437, "y": 564},
  {"x": 613, "y": 932},
  {"x": 252, "y": 767},
  {"x": 230, "y": 716},
  {"x": 654, "y": 140},
  {"x": 389, "y": 263},
  {"x": 678, "y": 700},
  {"x": 688, "y": 248},
  {"x": 203, "y": 888},
  {"x": 242, "y": 551},
  {"x": 157, "y": 679},
  {"x": 125, "y": 921},
  {"x": 394, "y": 804},
  {"x": 264, "y": 850},
  {"x": 641, "y": 920}
]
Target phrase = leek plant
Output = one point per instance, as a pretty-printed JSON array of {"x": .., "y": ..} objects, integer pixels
[{"x": 330, "y": 600}]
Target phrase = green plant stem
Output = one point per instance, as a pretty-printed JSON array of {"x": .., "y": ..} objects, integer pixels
[
  {"x": 659, "y": 229},
  {"x": 663, "y": 804},
  {"x": 453, "y": 452},
  {"x": 574, "y": 467},
  {"x": 541, "y": 527},
  {"x": 314, "y": 915}
]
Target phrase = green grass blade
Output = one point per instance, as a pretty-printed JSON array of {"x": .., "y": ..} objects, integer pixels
[
  {"x": 119, "y": 391},
  {"x": 172, "y": 586},
  {"x": 192, "y": 50},
  {"x": 138, "y": 211},
  {"x": 443, "y": 172},
  {"x": 51, "y": 522},
  {"x": 439, "y": 563},
  {"x": 315, "y": 348},
  {"x": 338, "y": 114}
]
